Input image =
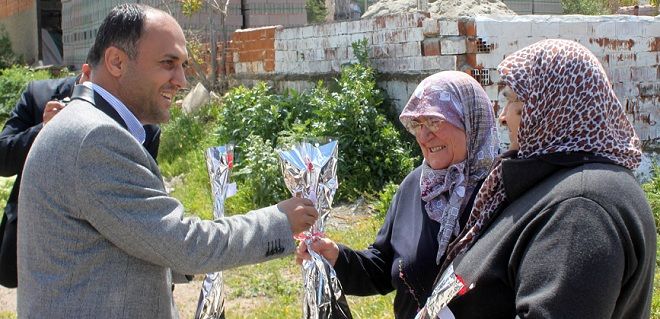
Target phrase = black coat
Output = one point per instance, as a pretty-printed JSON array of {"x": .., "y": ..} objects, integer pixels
[{"x": 24, "y": 123}]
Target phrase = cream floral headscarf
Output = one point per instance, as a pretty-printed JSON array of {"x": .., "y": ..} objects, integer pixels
[{"x": 458, "y": 99}]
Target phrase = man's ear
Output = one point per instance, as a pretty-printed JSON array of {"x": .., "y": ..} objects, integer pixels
[{"x": 115, "y": 60}]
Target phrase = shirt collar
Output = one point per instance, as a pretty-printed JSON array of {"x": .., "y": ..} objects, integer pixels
[{"x": 132, "y": 123}]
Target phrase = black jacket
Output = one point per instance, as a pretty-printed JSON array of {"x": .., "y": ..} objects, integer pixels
[
  {"x": 403, "y": 256},
  {"x": 577, "y": 240},
  {"x": 24, "y": 123}
]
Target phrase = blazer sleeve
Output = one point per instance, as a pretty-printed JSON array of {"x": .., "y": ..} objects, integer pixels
[
  {"x": 122, "y": 196},
  {"x": 19, "y": 133}
]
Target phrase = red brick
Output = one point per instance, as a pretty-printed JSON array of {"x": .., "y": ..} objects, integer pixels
[
  {"x": 467, "y": 27},
  {"x": 655, "y": 45},
  {"x": 471, "y": 45},
  {"x": 269, "y": 65},
  {"x": 269, "y": 54},
  {"x": 431, "y": 47}
]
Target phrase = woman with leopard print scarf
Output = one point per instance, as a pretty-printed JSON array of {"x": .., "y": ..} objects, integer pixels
[{"x": 560, "y": 228}]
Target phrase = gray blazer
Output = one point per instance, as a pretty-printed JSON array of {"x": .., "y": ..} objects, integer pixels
[{"x": 99, "y": 234}]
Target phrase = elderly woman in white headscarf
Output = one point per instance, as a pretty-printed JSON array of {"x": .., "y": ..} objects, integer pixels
[
  {"x": 452, "y": 120},
  {"x": 560, "y": 228}
]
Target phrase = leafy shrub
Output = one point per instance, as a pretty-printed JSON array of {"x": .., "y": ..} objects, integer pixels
[
  {"x": 6, "y": 184},
  {"x": 371, "y": 151},
  {"x": 384, "y": 200},
  {"x": 316, "y": 11},
  {"x": 183, "y": 142},
  {"x": 185, "y": 133},
  {"x": 258, "y": 121},
  {"x": 12, "y": 83},
  {"x": 587, "y": 7},
  {"x": 259, "y": 170}
]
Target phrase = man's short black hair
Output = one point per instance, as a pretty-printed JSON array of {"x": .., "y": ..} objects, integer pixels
[{"x": 121, "y": 28}]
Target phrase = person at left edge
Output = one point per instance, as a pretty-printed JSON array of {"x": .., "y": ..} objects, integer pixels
[
  {"x": 39, "y": 103},
  {"x": 105, "y": 247}
]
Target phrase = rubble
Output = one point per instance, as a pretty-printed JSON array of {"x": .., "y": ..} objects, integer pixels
[{"x": 449, "y": 9}]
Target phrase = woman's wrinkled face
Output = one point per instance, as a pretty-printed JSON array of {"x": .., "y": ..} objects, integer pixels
[
  {"x": 510, "y": 116},
  {"x": 442, "y": 144}
]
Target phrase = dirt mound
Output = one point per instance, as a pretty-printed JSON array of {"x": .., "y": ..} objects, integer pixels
[{"x": 449, "y": 9}]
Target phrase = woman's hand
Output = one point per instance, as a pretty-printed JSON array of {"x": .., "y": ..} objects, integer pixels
[{"x": 323, "y": 246}]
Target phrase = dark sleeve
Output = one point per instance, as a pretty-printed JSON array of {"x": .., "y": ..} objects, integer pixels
[
  {"x": 152, "y": 140},
  {"x": 368, "y": 272},
  {"x": 560, "y": 272},
  {"x": 18, "y": 134}
]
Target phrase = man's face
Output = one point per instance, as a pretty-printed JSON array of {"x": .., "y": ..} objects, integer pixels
[{"x": 151, "y": 80}]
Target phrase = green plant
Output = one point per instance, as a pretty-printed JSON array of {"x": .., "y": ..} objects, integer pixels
[
  {"x": 385, "y": 197},
  {"x": 652, "y": 190},
  {"x": 259, "y": 171},
  {"x": 6, "y": 184},
  {"x": 586, "y": 7},
  {"x": 181, "y": 154},
  {"x": 183, "y": 134},
  {"x": 13, "y": 81},
  {"x": 361, "y": 51},
  {"x": 371, "y": 152},
  {"x": 316, "y": 11}
]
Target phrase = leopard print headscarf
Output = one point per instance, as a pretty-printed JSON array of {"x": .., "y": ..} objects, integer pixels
[{"x": 569, "y": 106}]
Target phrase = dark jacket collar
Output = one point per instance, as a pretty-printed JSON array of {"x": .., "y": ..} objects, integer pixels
[
  {"x": 519, "y": 175},
  {"x": 82, "y": 92}
]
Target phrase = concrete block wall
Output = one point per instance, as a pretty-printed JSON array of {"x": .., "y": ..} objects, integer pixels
[
  {"x": 19, "y": 18},
  {"x": 406, "y": 48}
]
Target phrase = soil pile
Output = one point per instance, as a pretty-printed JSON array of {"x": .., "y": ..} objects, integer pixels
[{"x": 449, "y": 9}]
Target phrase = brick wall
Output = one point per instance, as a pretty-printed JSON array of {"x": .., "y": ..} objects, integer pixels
[
  {"x": 19, "y": 18},
  {"x": 406, "y": 48}
]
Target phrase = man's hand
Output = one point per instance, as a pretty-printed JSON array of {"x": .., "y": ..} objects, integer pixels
[
  {"x": 324, "y": 246},
  {"x": 51, "y": 109},
  {"x": 300, "y": 212}
]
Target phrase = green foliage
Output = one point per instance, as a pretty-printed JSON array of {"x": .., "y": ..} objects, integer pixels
[
  {"x": 587, "y": 7},
  {"x": 5, "y": 188},
  {"x": 183, "y": 134},
  {"x": 183, "y": 142},
  {"x": 273, "y": 289},
  {"x": 361, "y": 51},
  {"x": 188, "y": 7},
  {"x": 259, "y": 171},
  {"x": 7, "y": 56},
  {"x": 652, "y": 190},
  {"x": 13, "y": 82},
  {"x": 385, "y": 197},
  {"x": 371, "y": 152},
  {"x": 316, "y": 11}
]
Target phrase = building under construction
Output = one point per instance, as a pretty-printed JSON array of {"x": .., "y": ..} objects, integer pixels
[{"x": 60, "y": 32}]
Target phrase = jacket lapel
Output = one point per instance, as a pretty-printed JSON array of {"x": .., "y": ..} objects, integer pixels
[{"x": 82, "y": 92}]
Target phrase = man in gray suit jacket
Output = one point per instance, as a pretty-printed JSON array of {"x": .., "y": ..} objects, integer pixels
[{"x": 99, "y": 234}]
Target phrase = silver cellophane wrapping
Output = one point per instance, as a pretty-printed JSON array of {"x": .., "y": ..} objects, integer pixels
[
  {"x": 310, "y": 171},
  {"x": 219, "y": 162}
]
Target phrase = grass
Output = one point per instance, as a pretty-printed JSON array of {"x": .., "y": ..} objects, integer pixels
[{"x": 273, "y": 289}]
